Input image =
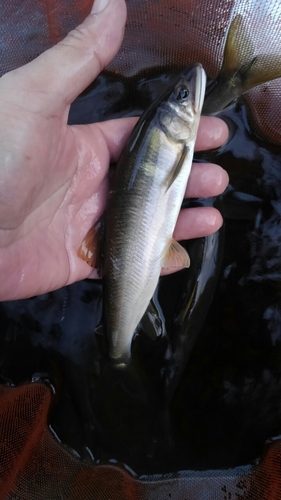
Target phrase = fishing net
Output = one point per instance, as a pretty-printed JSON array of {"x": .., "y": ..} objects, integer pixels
[
  {"x": 35, "y": 466},
  {"x": 161, "y": 36}
]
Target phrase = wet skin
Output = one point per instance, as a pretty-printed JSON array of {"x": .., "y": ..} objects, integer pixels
[{"x": 53, "y": 177}]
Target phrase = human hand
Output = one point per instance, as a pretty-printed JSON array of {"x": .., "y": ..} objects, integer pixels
[{"x": 53, "y": 177}]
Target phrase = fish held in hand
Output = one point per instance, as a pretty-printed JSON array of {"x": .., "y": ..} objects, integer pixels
[{"x": 150, "y": 183}]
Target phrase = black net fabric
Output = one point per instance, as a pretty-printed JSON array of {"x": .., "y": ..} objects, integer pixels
[{"x": 160, "y": 35}]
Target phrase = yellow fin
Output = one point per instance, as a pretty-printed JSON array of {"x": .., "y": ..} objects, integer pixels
[
  {"x": 175, "y": 256},
  {"x": 239, "y": 59},
  {"x": 90, "y": 248},
  {"x": 264, "y": 68},
  {"x": 239, "y": 48},
  {"x": 186, "y": 309}
]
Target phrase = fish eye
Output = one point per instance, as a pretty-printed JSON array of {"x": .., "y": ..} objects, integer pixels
[{"x": 182, "y": 94}]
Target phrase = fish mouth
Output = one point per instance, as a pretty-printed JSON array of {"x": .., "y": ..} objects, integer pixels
[
  {"x": 200, "y": 88},
  {"x": 197, "y": 79}
]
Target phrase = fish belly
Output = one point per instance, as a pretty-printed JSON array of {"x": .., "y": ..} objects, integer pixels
[{"x": 144, "y": 226}]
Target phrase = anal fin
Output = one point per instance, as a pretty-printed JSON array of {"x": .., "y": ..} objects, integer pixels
[{"x": 175, "y": 256}]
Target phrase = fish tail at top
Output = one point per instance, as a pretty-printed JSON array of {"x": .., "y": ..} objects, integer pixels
[
  {"x": 241, "y": 69},
  {"x": 240, "y": 61}
]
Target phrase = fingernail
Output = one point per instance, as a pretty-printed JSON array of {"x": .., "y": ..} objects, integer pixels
[{"x": 99, "y": 6}]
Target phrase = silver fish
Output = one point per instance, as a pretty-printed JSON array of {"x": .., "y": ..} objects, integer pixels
[{"x": 151, "y": 179}]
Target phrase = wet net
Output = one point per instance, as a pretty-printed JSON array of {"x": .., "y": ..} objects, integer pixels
[
  {"x": 35, "y": 466},
  {"x": 159, "y": 34},
  {"x": 162, "y": 36}
]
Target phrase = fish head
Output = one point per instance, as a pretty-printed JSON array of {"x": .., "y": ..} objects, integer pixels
[{"x": 180, "y": 113}]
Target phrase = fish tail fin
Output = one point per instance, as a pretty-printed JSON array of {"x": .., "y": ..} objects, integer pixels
[
  {"x": 263, "y": 69},
  {"x": 240, "y": 61},
  {"x": 239, "y": 49}
]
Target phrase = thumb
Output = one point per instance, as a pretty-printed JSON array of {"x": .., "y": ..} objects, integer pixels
[{"x": 71, "y": 65}]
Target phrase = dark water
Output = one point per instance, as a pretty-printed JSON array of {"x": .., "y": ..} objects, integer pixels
[{"x": 207, "y": 394}]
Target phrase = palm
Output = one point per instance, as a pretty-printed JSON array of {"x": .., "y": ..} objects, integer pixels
[
  {"x": 60, "y": 184},
  {"x": 53, "y": 178}
]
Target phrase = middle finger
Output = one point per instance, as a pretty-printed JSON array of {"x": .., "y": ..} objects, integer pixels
[{"x": 206, "y": 179}]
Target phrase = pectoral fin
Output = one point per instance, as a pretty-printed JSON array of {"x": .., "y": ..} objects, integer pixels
[
  {"x": 151, "y": 322},
  {"x": 90, "y": 249},
  {"x": 175, "y": 256},
  {"x": 99, "y": 330},
  {"x": 177, "y": 168}
]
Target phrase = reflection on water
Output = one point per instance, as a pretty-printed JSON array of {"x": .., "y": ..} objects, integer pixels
[{"x": 207, "y": 393}]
